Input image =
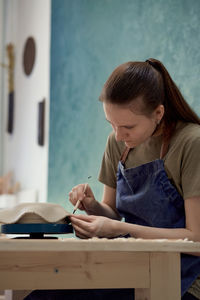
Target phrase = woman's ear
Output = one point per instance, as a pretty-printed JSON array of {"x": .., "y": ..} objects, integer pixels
[{"x": 159, "y": 113}]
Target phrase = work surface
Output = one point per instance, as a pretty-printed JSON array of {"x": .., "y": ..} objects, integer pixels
[{"x": 152, "y": 267}]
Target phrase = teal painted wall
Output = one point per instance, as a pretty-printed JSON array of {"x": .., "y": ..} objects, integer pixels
[{"x": 89, "y": 39}]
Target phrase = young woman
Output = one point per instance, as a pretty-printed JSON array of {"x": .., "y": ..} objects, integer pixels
[{"x": 150, "y": 170}]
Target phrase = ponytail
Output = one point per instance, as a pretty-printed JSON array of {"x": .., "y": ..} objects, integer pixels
[
  {"x": 176, "y": 108},
  {"x": 150, "y": 81}
]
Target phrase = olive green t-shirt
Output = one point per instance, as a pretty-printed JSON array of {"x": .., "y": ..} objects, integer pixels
[{"x": 182, "y": 163}]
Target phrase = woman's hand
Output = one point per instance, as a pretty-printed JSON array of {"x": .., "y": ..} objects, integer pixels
[
  {"x": 84, "y": 194},
  {"x": 94, "y": 226}
]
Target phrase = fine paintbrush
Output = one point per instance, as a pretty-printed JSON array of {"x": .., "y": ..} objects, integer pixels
[{"x": 79, "y": 201}]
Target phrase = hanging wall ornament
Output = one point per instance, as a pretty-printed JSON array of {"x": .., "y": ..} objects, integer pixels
[
  {"x": 29, "y": 56},
  {"x": 11, "y": 63},
  {"x": 41, "y": 122}
]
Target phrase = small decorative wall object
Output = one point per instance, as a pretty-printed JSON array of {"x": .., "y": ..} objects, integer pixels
[
  {"x": 41, "y": 122},
  {"x": 10, "y": 68},
  {"x": 29, "y": 55},
  {"x": 7, "y": 184}
]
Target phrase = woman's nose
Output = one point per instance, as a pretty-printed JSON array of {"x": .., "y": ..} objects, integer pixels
[{"x": 119, "y": 134}]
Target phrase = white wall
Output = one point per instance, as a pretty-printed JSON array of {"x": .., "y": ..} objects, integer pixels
[
  {"x": 1, "y": 85},
  {"x": 21, "y": 153}
]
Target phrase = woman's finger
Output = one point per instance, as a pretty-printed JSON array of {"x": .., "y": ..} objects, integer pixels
[
  {"x": 81, "y": 223},
  {"x": 81, "y": 232},
  {"x": 80, "y": 235},
  {"x": 79, "y": 191},
  {"x": 85, "y": 218},
  {"x": 86, "y": 227}
]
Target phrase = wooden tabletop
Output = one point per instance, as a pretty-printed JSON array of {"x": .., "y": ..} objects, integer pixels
[{"x": 96, "y": 244}]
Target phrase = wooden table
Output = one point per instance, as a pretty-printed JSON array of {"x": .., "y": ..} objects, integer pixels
[{"x": 152, "y": 267}]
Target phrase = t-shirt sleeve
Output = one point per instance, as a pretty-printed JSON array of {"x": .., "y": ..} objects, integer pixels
[
  {"x": 190, "y": 171},
  {"x": 108, "y": 170}
]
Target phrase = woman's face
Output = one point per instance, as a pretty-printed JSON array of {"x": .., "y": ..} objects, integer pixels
[{"x": 131, "y": 126}]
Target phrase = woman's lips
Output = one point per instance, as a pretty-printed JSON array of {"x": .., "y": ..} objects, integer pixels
[{"x": 130, "y": 144}]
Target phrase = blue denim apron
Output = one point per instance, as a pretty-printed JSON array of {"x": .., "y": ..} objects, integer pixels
[{"x": 145, "y": 196}]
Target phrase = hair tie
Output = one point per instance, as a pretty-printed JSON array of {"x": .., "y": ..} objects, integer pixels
[{"x": 153, "y": 64}]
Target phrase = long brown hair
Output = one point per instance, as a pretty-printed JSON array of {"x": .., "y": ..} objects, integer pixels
[{"x": 150, "y": 81}]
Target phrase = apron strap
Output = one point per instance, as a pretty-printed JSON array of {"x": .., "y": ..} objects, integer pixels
[
  {"x": 164, "y": 147},
  {"x": 166, "y": 140},
  {"x": 124, "y": 154}
]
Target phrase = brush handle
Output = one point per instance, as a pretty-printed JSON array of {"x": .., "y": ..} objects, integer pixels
[{"x": 76, "y": 206}]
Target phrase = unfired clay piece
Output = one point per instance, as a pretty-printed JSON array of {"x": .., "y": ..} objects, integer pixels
[{"x": 34, "y": 213}]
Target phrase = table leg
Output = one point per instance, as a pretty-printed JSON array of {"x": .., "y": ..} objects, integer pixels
[
  {"x": 165, "y": 277},
  {"x": 165, "y": 281}
]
